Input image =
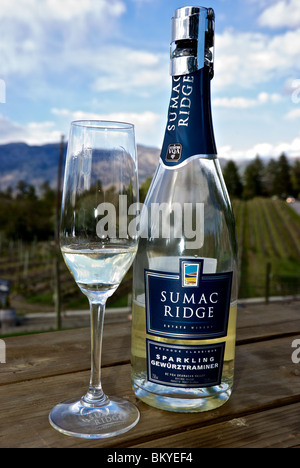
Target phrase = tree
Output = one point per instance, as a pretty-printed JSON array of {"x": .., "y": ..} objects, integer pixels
[
  {"x": 253, "y": 179},
  {"x": 296, "y": 178},
  {"x": 25, "y": 191},
  {"x": 233, "y": 180},
  {"x": 270, "y": 175},
  {"x": 48, "y": 196},
  {"x": 282, "y": 180},
  {"x": 144, "y": 189},
  {"x": 26, "y": 216}
]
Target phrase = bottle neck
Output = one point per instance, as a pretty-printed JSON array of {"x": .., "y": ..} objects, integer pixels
[{"x": 189, "y": 131}]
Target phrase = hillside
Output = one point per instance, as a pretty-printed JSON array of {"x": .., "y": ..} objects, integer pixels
[{"x": 37, "y": 164}]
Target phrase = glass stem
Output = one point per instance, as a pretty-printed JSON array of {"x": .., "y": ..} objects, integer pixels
[{"x": 95, "y": 395}]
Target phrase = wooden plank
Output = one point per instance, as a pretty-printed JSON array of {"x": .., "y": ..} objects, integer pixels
[
  {"x": 42, "y": 355},
  {"x": 54, "y": 353},
  {"x": 261, "y": 321},
  {"x": 266, "y": 379},
  {"x": 276, "y": 428}
]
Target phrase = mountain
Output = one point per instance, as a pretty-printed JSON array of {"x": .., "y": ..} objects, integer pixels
[{"x": 37, "y": 164}]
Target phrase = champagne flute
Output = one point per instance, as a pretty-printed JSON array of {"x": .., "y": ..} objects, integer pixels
[{"x": 98, "y": 240}]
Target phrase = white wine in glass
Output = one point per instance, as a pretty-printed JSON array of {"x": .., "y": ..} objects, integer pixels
[{"x": 98, "y": 239}]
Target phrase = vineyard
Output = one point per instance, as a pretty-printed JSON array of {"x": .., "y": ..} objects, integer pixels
[
  {"x": 268, "y": 232},
  {"x": 31, "y": 270}
]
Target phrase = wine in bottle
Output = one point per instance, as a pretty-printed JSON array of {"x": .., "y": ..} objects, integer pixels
[{"x": 185, "y": 272}]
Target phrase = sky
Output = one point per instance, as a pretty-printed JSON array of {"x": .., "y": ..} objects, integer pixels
[{"x": 109, "y": 59}]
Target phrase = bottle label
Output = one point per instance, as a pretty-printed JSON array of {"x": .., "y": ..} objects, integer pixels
[
  {"x": 185, "y": 366},
  {"x": 189, "y": 129},
  {"x": 190, "y": 305}
]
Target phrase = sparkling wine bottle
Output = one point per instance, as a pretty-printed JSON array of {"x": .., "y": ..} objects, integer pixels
[{"x": 185, "y": 273}]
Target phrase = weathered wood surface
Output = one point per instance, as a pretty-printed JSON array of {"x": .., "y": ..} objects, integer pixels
[{"x": 264, "y": 410}]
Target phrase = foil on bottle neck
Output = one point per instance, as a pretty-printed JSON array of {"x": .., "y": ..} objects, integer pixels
[{"x": 192, "y": 41}]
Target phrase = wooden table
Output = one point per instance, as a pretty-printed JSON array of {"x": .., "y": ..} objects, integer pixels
[{"x": 264, "y": 410}]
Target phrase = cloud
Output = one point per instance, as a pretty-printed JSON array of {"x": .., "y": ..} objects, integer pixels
[
  {"x": 245, "y": 103},
  {"x": 38, "y": 34},
  {"x": 125, "y": 70},
  {"x": 33, "y": 133},
  {"x": 55, "y": 10},
  {"x": 285, "y": 13},
  {"x": 9, "y": 130},
  {"x": 149, "y": 126},
  {"x": 245, "y": 59},
  {"x": 47, "y": 44},
  {"x": 263, "y": 149},
  {"x": 294, "y": 114},
  {"x": 38, "y": 37}
]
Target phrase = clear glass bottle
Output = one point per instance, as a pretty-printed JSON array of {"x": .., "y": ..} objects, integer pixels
[{"x": 185, "y": 272}]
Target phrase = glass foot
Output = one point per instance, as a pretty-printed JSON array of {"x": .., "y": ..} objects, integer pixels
[{"x": 76, "y": 418}]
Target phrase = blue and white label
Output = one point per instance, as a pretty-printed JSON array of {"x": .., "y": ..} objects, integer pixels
[
  {"x": 190, "y": 305},
  {"x": 185, "y": 366}
]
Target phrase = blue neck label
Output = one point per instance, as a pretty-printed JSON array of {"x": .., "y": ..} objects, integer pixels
[{"x": 189, "y": 129}]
